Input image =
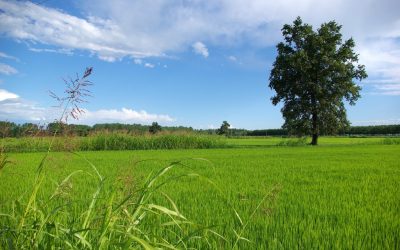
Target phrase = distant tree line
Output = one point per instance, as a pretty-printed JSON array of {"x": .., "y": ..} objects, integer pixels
[
  {"x": 373, "y": 130},
  {"x": 11, "y": 129}
]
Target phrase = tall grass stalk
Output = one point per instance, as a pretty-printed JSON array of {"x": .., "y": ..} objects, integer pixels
[
  {"x": 51, "y": 223},
  {"x": 113, "y": 142},
  {"x": 107, "y": 219}
]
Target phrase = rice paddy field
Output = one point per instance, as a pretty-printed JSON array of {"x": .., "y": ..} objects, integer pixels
[{"x": 343, "y": 194}]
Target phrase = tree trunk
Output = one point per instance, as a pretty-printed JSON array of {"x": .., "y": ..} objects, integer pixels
[
  {"x": 314, "y": 141},
  {"x": 315, "y": 132}
]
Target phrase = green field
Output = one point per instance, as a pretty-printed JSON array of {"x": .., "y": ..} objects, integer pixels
[{"x": 343, "y": 194}]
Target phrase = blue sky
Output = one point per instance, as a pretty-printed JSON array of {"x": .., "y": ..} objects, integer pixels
[{"x": 192, "y": 63}]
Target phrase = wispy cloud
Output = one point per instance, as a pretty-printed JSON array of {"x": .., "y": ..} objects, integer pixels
[
  {"x": 382, "y": 60},
  {"x": 30, "y": 22},
  {"x": 138, "y": 61},
  {"x": 149, "y": 65},
  {"x": 6, "y": 56},
  {"x": 7, "y": 69},
  {"x": 116, "y": 29},
  {"x": 377, "y": 122},
  {"x": 200, "y": 49},
  {"x": 58, "y": 51},
  {"x": 232, "y": 58}
]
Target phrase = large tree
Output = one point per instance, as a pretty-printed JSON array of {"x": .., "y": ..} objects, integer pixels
[{"x": 313, "y": 74}]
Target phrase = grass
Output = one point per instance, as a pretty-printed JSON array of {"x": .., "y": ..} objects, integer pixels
[
  {"x": 111, "y": 142},
  {"x": 322, "y": 141},
  {"x": 117, "y": 141},
  {"x": 336, "y": 196}
]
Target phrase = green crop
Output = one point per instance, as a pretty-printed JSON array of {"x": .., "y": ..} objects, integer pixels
[{"x": 335, "y": 196}]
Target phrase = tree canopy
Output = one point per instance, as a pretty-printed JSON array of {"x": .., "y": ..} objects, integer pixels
[
  {"x": 224, "y": 129},
  {"x": 155, "y": 128},
  {"x": 313, "y": 74}
]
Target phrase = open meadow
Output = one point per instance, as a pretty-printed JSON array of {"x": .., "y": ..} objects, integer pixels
[
  {"x": 199, "y": 125},
  {"x": 249, "y": 194}
]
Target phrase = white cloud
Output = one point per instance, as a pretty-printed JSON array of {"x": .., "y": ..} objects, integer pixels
[
  {"x": 382, "y": 60},
  {"x": 200, "y": 49},
  {"x": 123, "y": 115},
  {"x": 4, "y": 55},
  {"x": 5, "y": 95},
  {"x": 138, "y": 61},
  {"x": 149, "y": 65},
  {"x": 58, "y": 51},
  {"x": 115, "y": 29},
  {"x": 393, "y": 121},
  {"x": 108, "y": 58},
  {"x": 31, "y": 22},
  {"x": 12, "y": 107},
  {"x": 7, "y": 69},
  {"x": 127, "y": 28},
  {"x": 232, "y": 58}
]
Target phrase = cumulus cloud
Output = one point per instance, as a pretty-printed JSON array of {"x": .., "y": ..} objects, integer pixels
[
  {"x": 137, "y": 29},
  {"x": 124, "y": 115},
  {"x": 382, "y": 59},
  {"x": 7, "y": 69},
  {"x": 31, "y": 22},
  {"x": 4, "y": 95},
  {"x": 200, "y": 49},
  {"x": 12, "y": 107}
]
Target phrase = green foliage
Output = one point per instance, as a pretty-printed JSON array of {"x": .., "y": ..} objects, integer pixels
[
  {"x": 111, "y": 141},
  {"x": 312, "y": 74},
  {"x": 3, "y": 160},
  {"x": 155, "y": 128},
  {"x": 374, "y": 130},
  {"x": 268, "y": 132},
  {"x": 224, "y": 129},
  {"x": 9, "y": 129},
  {"x": 391, "y": 141},
  {"x": 109, "y": 220}
]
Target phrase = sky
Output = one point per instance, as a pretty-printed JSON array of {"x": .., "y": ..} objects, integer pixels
[{"x": 182, "y": 62}]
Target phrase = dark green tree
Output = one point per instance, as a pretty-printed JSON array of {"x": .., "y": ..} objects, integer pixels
[
  {"x": 313, "y": 74},
  {"x": 224, "y": 129},
  {"x": 8, "y": 129},
  {"x": 29, "y": 129},
  {"x": 154, "y": 128}
]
